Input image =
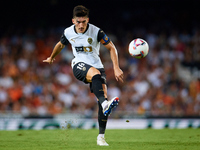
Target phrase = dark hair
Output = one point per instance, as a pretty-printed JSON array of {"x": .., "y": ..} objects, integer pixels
[{"x": 80, "y": 11}]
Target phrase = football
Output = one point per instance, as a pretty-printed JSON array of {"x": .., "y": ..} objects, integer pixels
[{"x": 138, "y": 48}]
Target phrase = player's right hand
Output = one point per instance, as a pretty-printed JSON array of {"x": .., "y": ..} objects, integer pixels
[{"x": 49, "y": 60}]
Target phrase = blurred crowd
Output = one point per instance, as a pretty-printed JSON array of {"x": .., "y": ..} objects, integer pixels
[{"x": 162, "y": 84}]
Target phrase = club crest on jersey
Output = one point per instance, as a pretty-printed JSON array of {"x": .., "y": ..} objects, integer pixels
[{"x": 89, "y": 40}]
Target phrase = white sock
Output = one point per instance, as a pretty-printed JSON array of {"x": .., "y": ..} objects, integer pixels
[
  {"x": 100, "y": 136},
  {"x": 104, "y": 104}
]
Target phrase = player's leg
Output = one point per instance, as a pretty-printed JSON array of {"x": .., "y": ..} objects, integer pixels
[
  {"x": 102, "y": 120},
  {"x": 99, "y": 88},
  {"x": 89, "y": 74},
  {"x": 93, "y": 76},
  {"x": 98, "y": 78}
]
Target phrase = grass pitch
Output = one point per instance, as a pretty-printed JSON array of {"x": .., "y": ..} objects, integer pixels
[{"x": 77, "y": 139}]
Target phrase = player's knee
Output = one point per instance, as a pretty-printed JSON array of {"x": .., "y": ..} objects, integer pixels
[
  {"x": 91, "y": 73},
  {"x": 96, "y": 77},
  {"x": 96, "y": 72}
]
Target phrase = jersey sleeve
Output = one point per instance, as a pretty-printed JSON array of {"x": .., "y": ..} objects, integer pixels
[
  {"x": 103, "y": 38},
  {"x": 64, "y": 40}
]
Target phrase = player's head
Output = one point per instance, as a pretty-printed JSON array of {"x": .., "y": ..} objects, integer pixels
[
  {"x": 80, "y": 18},
  {"x": 80, "y": 11}
]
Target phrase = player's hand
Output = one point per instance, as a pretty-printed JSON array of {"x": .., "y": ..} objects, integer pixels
[
  {"x": 49, "y": 60},
  {"x": 119, "y": 74}
]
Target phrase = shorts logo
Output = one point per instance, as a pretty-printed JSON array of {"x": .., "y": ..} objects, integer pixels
[
  {"x": 84, "y": 68},
  {"x": 89, "y": 40}
]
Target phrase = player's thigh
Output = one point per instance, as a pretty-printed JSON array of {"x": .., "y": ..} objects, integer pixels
[
  {"x": 91, "y": 72},
  {"x": 80, "y": 71}
]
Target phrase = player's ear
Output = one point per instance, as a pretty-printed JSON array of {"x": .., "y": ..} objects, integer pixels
[
  {"x": 73, "y": 20},
  {"x": 88, "y": 19}
]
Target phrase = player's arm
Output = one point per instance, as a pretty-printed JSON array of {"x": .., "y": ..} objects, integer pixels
[
  {"x": 57, "y": 49},
  {"x": 114, "y": 57},
  {"x": 113, "y": 54}
]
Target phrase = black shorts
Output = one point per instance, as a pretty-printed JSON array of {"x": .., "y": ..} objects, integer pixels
[{"x": 80, "y": 71}]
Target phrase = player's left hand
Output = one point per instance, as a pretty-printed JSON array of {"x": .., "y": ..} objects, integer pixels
[{"x": 119, "y": 74}]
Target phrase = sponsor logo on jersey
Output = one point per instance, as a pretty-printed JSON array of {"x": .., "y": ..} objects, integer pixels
[
  {"x": 83, "y": 49},
  {"x": 89, "y": 40}
]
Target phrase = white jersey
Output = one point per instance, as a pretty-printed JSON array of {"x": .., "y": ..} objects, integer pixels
[{"x": 85, "y": 46}]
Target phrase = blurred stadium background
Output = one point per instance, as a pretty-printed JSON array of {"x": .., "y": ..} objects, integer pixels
[{"x": 164, "y": 86}]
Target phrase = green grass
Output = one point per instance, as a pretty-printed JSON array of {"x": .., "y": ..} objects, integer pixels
[{"x": 76, "y": 139}]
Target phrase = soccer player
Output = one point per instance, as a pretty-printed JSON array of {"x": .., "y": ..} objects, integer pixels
[{"x": 85, "y": 40}]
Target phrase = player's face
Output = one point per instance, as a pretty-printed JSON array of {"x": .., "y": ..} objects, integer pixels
[{"x": 80, "y": 24}]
